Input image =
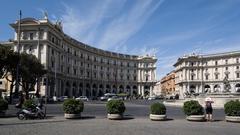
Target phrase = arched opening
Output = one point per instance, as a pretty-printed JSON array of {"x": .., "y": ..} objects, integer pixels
[
  {"x": 108, "y": 88},
  {"x": 121, "y": 89},
  {"x": 207, "y": 88},
  {"x": 146, "y": 90},
  {"x": 216, "y": 88},
  {"x": 135, "y": 90},
  {"x": 80, "y": 91},
  {"x": 74, "y": 94},
  {"x": 88, "y": 93},
  {"x": 128, "y": 89},
  {"x": 66, "y": 92},
  {"x": 100, "y": 93},
  {"x": 94, "y": 90},
  {"x": 114, "y": 89},
  {"x": 101, "y": 87},
  {"x": 192, "y": 89},
  {"x": 237, "y": 87}
]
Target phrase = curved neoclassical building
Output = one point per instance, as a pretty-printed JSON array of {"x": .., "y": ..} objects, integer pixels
[
  {"x": 75, "y": 68},
  {"x": 213, "y": 73}
]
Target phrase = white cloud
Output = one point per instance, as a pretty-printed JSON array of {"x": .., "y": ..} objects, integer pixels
[
  {"x": 84, "y": 26},
  {"x": 124, "y": 27}
]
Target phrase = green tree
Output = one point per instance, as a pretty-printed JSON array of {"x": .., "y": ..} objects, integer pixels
[
  {"x": 8, "y": 64},
  {"x": 31, "y": 70}
]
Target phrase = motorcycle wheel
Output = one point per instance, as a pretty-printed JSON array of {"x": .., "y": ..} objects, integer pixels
[
  {"x": 41, "y": 116},
  {"x": 21, "y": 116}
]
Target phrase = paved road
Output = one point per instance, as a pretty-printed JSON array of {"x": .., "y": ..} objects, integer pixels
[{"x": 94, "y": 122}]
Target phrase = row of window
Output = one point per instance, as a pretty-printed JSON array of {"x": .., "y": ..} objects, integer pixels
[
  {"x": 226, "y": 75},
  {"x": 215, "y": 63},
  {"x": 94, "y": 75},
  {"x": 216, "y": 76}
]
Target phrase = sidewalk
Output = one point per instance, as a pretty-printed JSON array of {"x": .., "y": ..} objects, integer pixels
[{"x": 103, "y": 126}]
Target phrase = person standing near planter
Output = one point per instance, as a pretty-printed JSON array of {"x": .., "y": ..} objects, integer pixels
[{"x": 209, "y": 109}]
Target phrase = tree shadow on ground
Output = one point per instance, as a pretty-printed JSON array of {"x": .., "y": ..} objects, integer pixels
[
  {"x": 8, "y": 116},
  {"x": 215, "y": 120},
  {"x": 83, "y": 118},
  {"x": 30, "y": 122},
  {"x": 167, "y": 119}
]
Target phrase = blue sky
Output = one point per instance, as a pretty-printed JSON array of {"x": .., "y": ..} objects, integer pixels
[{"x": 165, "y": 28}]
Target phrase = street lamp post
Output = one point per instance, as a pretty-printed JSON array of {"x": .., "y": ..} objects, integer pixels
[{"x": 18, "y": 51}]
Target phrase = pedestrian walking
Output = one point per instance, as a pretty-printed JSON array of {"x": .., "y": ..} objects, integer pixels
[{"x": 208, "y": 108}]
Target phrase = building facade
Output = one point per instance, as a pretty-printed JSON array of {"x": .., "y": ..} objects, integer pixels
[
  {"x": 76, "y": 69},
  {"x": 157, "y": 89},
  {"x": 213, "y": 73},
  {"x": 168, "y": 84}
]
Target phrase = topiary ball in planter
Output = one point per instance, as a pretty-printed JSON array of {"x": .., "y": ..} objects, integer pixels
[
  {"x": 73, "y": 108},
  {"x": 232, "y": 111},
  {"x": 115, "y": 109},
  {"x": 158, "y": 111},
  {"x": 3, "y": 106},
  {"x": 193, "y": 110}
]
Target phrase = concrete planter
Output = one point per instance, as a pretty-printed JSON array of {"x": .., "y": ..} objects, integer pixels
[
  {"x": 115, "y": 116},
  {"x": 72, "y": 116},
  {"x": 232, "y": 118},
  {"x": 196, "y": 118},
  {"x": 155, "y": 117}
]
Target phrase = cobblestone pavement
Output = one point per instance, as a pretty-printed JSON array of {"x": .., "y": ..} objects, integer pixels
[{"x": 102, "y": 126}]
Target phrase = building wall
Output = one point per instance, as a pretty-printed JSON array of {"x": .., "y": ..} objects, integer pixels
[
  {"x": 75, "y": 68},
  {"x": 168, "y": 84},
  {"x": 157, "y": 89},
  {"x": 206, "y": 73}
]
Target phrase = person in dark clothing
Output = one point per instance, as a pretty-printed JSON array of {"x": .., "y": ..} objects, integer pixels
[{"x": 209, "y": 110}]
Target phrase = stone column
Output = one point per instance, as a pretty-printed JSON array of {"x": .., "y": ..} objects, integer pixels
[
  {"x": 142, "y": 90},
  {"x": 151, "y": 91},
  {"x": 139, "y": 89}
]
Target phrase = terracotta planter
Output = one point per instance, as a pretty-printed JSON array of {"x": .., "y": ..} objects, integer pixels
[
  {"x": 196, "y": 118},
  {"x": 115, "y": 116},
  {"x": 232, "y": 118},
  {"x": 155, "y": 117},
  {"x": 72, "y": 116}
]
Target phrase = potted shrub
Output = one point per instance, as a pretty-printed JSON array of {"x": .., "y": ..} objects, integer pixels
[
  {"x": 115, "y": 109},
  {"x": 3, "y": 107},
  {"x": 158, "y": 112},
  {"x": 194, "y": 111},
  {"x": 72, "y": 108},
  {"x": 232, "y": 111}
]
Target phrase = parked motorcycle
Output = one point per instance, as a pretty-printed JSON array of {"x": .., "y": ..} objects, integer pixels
[{"x": 31, "y": 113}]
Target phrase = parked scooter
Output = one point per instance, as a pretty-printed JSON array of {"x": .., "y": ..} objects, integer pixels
[{"x": 31, "y": 113}]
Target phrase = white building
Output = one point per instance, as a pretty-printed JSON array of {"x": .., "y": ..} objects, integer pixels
[
  {"x": 206, "y": 73},
  {"x": 75, "y": 68},
  {"x": 157, "y": 89}
]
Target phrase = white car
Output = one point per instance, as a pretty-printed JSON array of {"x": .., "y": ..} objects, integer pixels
[
  {"x": 114, "y": 98},
  {"x": 83, "y": 98},
  {"x": 152, "y": 98}
]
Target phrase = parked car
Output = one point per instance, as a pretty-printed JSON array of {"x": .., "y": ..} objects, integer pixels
[
  {"x": 107, "y": 96},
  {"x": 103, "y": 98},
  {"x": 83, "y": 98},
  {"x": 62, "y": 98},
  {"x": 114, "y": 98}
]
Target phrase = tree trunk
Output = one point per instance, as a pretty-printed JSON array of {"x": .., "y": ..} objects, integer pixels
[
  {"x": 27, "y": 91},
  {"x": 38, "y": 88},
  {"x": 11, "y": 93}
]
